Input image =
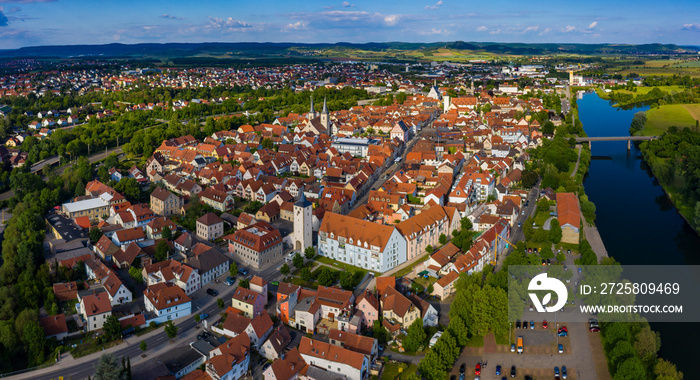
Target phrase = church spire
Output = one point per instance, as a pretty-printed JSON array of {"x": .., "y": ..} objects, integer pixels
[
  {"x": 325, "y": 107},
  {"x": 312, "y": 112}
]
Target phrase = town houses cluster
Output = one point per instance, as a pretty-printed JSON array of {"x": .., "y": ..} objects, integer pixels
[{"x": 375, "y": 187}]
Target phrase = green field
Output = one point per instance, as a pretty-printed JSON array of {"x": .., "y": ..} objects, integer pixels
[
  {"x": 646, "y": 90},
  {"x": 659, "y": 119},
  {"x": 391, "y": 371}
]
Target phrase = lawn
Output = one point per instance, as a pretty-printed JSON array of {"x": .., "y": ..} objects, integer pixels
[
  {"x": 409, "y": 268},
  {"x": 659, "y": 119},
  {"x": 542, "y": 217},
  {"x": 339, "y": 265},
  {"x": 398, "y": 371}
]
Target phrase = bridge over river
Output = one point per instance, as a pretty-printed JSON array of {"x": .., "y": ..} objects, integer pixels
[{"x": 629, "y": 139}]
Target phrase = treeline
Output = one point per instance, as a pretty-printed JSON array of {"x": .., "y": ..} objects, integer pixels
[
  {"x": 655, "y": 97},
  {"x": 25, "y": 279},
  {"x": 675, "y": 160}
]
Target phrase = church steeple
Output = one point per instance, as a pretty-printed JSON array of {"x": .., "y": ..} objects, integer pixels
[
  {"x": 312, "y": 112},
  {"x": 325, "y": 119},
  {"x": 325, "y": 107}
]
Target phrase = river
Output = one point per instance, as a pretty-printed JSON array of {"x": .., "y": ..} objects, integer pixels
[{"x": 636, "y": 220}]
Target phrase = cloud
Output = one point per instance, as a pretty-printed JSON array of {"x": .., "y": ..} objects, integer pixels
[
  {"x": 497, "y": 31},
  {"x": 347, "y": 5},
  {"x": 26, "y": 1},
  {"x": 391, "y": 19},
  {"x": 694, "y": 27},
  {"x": 434, "y": 7},
  {"x": 568, "y": 29},
  {"x": 482, "y": 29},
  {"x": 3, "y": 19},
  {"x": 299, "y": 25},
  {"x": 433, "y": 32},
  {"x": 545, "y": 31},
  {"x": 531, "y": 29},
  {"x": 227, "y": 25},
  {"x": 592, "y": 25},
  {"x": 170, "y": 17}
]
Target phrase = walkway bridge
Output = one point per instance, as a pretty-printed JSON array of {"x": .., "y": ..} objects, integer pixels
[{"x": 629, "y": 139}]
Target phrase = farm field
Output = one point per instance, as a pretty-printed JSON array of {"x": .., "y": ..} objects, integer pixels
[{"x": 679, "y": 115}]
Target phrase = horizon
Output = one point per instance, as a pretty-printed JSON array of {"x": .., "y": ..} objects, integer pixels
[{"x": 34, "y": 23}]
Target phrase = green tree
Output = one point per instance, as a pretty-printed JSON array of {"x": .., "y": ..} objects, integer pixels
[
  {"x": 108, "y": 368},
  {"x": 220, "y": 303},
  {"x": 380, "y": 332},
  {"x": 555, "y": 232},
  {"x": 130, "y": 188},
  {"x": 459, "y": 330},
  {"x": 432, "y": 367},
  {"x": 430, "y": 289},
  {"x": 35, "y": 341},
  {"x": 171, "y": 329},
  {"x": 136, "y": 274},
  {"x": 347, "y": 280},
  {"x": 95, "y": 234},
  {"x": 309, "y": 252},
  {"x": 665, "y": 370},
  {"x": 167, "y": 234},
  {"x": 326, "y": 277},
  {"x": 285, "y": 269},
  {"x": 197, "y": 318},
  {"x": 646, "y": 343},
  {"x": 542, "y": 205},
  {"x": 298, "y": 261},
  {"x": 143, "y": 346},
  {"x": 415, "y": 336},
  {"x": 429, "y": 248},
  {"x": 233, "y": 269},
  {"x": 630, "y": 369},
  {"x": 443, "y": 239},
  {"x": 244, "y": 283},
  {"x": 112, "y": 328},
  {"x": 162, "y": 251},
  {"x": 305, "y": 274}
]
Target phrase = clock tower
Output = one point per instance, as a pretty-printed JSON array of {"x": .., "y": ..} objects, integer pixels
[{"x": 302, "y": 224}]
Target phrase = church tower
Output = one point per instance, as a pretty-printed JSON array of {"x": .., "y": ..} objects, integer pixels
[
  {"x": 302, "y": 224},
  {"x": 325, "y": 118},
  {"x": 312, "y": 112}
]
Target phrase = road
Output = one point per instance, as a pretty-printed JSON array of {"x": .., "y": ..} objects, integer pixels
[{"x": 517, "y": 232}]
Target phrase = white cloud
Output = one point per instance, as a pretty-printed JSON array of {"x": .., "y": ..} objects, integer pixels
[
  {"x": 545, "y": 31},
  {"x": 569, "y": 29},
  {"x": 391, "y": 19},
  {"x": 695, "y": 27},
  {"x": 531, "y": 29},
  {"x": 433, "y": 32},
  {"x": 482, "y": 29},
  {"x": 592, "y": 25},
  {"x": 228, "y": 25},
  {"x": 434, "y": 7},
  {"x": 497, "y": 31},
  {"x": 346, "y": 4},
  {"x": 299, "y": 25}
]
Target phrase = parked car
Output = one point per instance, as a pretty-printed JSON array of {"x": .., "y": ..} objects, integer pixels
[
  {"x": 477, "y": 370},
  {"x": 462, "y": 369},
  {"x": 562, "y": 333},
  {"x": 561, "y": 348},
  {"x": 512, "y": 371},
  {"x": 229, "y": 281},
  {"x": 556, "y": 371},
  {"x": 532, "y": 325},
  {"x": 498, "y": 370},
  {"x": 594, "y": 329},
  {"x": 579, "y": 269},
  {"x": 544, "y": 324},
  {"x": 512, "y": 347},
  {"x": 243, "y": 271},
  {"x": 202, "y": 316},
  {"x": 517, "y": 324},
  {"x": 563, "y": 372},
  {"x": 212, "y": 292}
]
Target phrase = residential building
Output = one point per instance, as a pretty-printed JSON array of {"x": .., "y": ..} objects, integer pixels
[
  {"x": 398, "y": 308},
  {"x": 210, "y": 264},
  {"x": 339, "y": 361},
  {"x": 367, "y": 305},
  {"x": 445, "y": 286},
  {"x": 230, "y": 361},
  {"x": 569, "y": 216},
  {"x": 166, "y": 302},
  {"x": 275, "y": 344},
  {"x": 289, "y": 368},
  {"x": 94, "y": 309},
  {"x": 174, "y": 272},
  {"x": 425, "y": 228},
  {"x": 210, "y": 227},
  {"x": 256, "y": 245},
  {"x": 361, "y": 243},
  {"x": 54, "y": 326},
  {"x": 248, "y": 301},
  {"x": 219, "y": 200},
  {"x": 354, "y": 342},
  {"x": 165, "y": 203},
  {"x": 259, "y": 329}
]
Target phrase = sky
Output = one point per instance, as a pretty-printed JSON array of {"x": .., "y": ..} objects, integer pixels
[{"x": 73, "y": 22}]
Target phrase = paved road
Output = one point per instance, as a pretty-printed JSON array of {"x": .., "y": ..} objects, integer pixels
[{"x": 573, "y": 173}]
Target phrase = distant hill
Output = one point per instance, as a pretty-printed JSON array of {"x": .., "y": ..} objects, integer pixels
[{"x": 267, "y": 49}]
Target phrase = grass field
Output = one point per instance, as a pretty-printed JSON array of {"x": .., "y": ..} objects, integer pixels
[
  {"x": 391, "y": 371},
  {"x": 646, "y": 90},
  {"x": 659, "y": 119}
]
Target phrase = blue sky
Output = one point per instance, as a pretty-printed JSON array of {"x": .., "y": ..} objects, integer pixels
[{"x": 67, "y": 22}]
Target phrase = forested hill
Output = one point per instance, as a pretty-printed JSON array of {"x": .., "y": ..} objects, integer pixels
[{"x": 267, "y": 49}]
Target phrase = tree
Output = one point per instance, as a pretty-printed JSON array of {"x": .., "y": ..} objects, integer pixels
[
  {"x": 220, "y": 303},
  {"x": 415, "y": 336},
  {"x": 631, "y": 369},
  {"x": 309, "y": 253},
  {"x": 347, "y": 281},
  {"x": 305, "y": 274},
  {"x": 162, "y": 251},
  {"x": 136, "y": 274},
  {"x": 638, "y": 122},
  {"x": 95, "y": 234},
  {"x": 431, "y": 367},
  {"x": 430, "y": 289},
  {"x": 33, "y": 336},
  {"x": 244, "y": 283},
  {"x": 555, "y": 232},
  {"x": 285, "y": 269},
  {"x": 233, "y": 269},
  {"x": 108, "y": 368},
  {"x": 129, "y": 187},
  {"x": 417, "y": 288},
  {"x": 171, "y": 329},
  {"x": 528, "y": 178},
  {"x": 443, "y": 239},
  {"x": 665, "y": 370},
  {"x": 429, "y": 248},
  {"x": 379, "y": 332},
  {"x": 459, "y": 330},
  {"x": 143, "y": 346},
  {"x": 112, "y": 328},
  {"x": 542, "y": 205},
  {"x": 646, "y": 343},
  {"x": 167, "y": 234},
  {"x": 326, "y": 277},
  {"x": 298, "y": 261},
  {"x": 197, "y": 318}
]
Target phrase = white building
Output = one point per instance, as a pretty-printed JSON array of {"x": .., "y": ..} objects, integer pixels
[
  {"x": 358, "y": 242},
  {"x": 230, "y": 360},
  {"x": 167, "y": 302},
  {"x": 302, "y": 224}
]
